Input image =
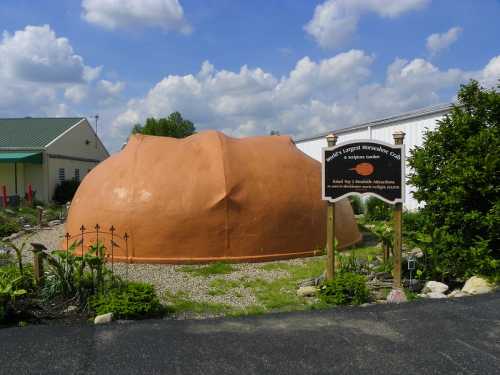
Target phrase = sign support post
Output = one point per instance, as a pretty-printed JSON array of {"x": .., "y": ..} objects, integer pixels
[
  {"x": 331, "y": 140},
  {"x": 398, "y": 211}
]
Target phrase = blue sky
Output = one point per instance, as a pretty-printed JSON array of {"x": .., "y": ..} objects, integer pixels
[{"x": 300, "y": 67}]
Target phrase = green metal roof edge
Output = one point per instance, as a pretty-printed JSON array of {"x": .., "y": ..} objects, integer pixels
[{"x": 21, "y": 157}]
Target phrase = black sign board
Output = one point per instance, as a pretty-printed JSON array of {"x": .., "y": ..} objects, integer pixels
[{"x": 364, "y": 167}]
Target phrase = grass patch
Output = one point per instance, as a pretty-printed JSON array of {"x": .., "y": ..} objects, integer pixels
[
  {"x": 219, "y": 268},
  {"x": 364, "y": 252},
  {"x": 180, "y": 302},
  {"x": 219, "y": 287},
  {"x": 281, "y": 294}
]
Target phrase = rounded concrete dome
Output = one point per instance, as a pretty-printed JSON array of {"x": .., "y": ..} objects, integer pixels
[{"x": 209, "y": 197}]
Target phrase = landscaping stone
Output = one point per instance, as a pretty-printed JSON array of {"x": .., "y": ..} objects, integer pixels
[
  {"x": 416, "y": 252},
  {"x": 434, "y": 287},
  {"x": 477, "y": 285},
  {"x": 70, "y": 309},
  {"x": 307, "y": 291},
  {"x": 54, "y": 222},
  {"x": 308, "y": 282},
  {"x": 103, "y": 319},
  {"x": 457, "y": 293},
  {"x": 396, "y": 296}
]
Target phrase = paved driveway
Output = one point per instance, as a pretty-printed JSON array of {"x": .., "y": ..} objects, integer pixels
[{"x": 426, "y": 337}]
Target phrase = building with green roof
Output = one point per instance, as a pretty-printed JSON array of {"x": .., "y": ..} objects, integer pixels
[{"x": 43, "y": 152}]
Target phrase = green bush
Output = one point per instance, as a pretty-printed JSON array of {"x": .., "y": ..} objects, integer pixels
[
  {"x": 357, "y": 204},
  {"x": 377, "y": 210},
  {"x": 65, "y": 191},
  {"x": 345, "y": 289},
  {"x": 132, "y": 301},
  {"x": 8, "y": 226},
  {"x": 13, "y": 284},
  {"x": 69, "y": 275},
  {"x": 455, "y": 173}
]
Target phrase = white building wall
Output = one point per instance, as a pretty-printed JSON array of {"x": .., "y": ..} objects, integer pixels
[
  {"x": 76, "y": 149},
  {"x": 79, "y": 142},
  {"x": 414, "y": 129}
]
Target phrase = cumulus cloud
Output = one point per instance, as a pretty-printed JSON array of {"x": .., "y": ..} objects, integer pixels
[
  {"x": 127, "y": 14},
  {"x": 35, "y": 54},
  {"x": 335, "y": 21},
  {"x": 41, "y": 74},
  {"x": 315, "y": 96},
  {"x": 76, "y": 93},
  {"x": 438, "y": 42},
  {"x": 110, "y": 88}
]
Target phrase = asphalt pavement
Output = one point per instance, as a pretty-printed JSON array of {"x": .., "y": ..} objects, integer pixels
[{"x": 460, "y": 336}]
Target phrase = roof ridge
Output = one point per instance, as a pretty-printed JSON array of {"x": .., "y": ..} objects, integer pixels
[{"x": 388, "y": 119}]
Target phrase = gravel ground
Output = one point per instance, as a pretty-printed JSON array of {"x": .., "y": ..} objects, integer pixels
[{"x": 170, "y": 278}]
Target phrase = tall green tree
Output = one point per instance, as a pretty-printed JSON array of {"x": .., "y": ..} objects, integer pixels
[
  {"x": 456, "y": 173},
  {"x": 172, "y": 126}
]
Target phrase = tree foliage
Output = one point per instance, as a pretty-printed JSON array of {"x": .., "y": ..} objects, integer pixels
[
  {"x": 172, "y": 126},
  {"x": 456, "y": 175}
]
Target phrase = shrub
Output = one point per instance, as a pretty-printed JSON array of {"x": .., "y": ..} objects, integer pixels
[
  {"x": 69, "y": 275},
  {"x": 413, "y": 221},
  {"x": 377, "y": 210},
  {"x": 455, "y": 174},
  {"x": 357, "y": 204},
  {"x": 132, "y": 301},
  {"x": 8, "y": 226},
  {"x": 13, "y": 284},
  {"x": 65, "y": 191},
  {"x": 345, "y": 289}
]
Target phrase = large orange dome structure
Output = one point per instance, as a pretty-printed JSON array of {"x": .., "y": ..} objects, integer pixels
[{"x": 209, "y": 197}]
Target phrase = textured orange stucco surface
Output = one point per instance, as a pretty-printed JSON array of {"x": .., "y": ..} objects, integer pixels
[{"x": 209, "y": 197}]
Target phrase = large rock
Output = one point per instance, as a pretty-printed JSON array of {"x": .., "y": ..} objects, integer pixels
[
  {"x": 434, "y": 287},
  {"x": 477, "y": 285},
  {"x": 209, "y": 197},
  {"x": 457, "y": 293},
  {"x": 103, "y": 319},
  {"x": 396, "y": 296},
  {"x": 307, "y": 291}
]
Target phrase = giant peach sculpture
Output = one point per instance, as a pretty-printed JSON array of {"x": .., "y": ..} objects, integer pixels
[{"x": 209, "y": 197}]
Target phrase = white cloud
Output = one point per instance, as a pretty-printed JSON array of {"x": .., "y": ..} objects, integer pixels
[
  {"x": 335, "y": 21},
  {"x": 42, "y": 75},
  {"x": 315, "y": 96},
  {"x": 76, "y": 93},
  {"x": 36, "y": 54},
  {"x": 490, "y": 75},
  {"x": 127, "y": 14},
  {"x": 110, "y": 88},
  {"x": 438, "y": 42}
]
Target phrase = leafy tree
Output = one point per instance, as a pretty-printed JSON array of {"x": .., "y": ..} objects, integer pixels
[
  {"x": 456, "y": 174},
  {"x": 172, "y": 126}
]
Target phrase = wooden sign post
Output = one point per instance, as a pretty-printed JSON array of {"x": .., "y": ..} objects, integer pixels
[
  {"x": 363, "y": 167},
  {"x": 331, "y": 140},
  {"x": 398, "y": 136}
]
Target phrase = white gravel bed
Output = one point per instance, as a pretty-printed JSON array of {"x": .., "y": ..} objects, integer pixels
[{"x": 170, "y": 278}]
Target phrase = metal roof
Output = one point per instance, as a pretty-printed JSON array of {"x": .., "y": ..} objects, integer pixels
[
  {"x": 24, "y": 157},
  {"x": 32, "y": 132},
  {"x": 387, "y": 120}
]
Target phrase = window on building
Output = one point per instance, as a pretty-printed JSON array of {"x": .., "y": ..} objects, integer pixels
[
  {"x": 62, "y": 174},
  {"x": 77, "y": 175}
]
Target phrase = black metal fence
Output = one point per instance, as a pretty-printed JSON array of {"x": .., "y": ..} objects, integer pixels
[{"x": 97, "y": 233}]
